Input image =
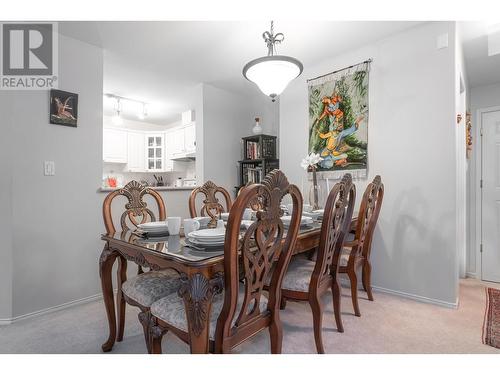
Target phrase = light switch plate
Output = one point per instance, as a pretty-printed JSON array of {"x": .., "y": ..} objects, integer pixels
[
  {"x": 49, "y": 168},
  {"x": 442, "y": 41}
]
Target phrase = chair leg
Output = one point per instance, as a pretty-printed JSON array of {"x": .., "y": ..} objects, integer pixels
[
  {"x": 337, "y": 297},
  {"x": 276, "y": 335},
  {"x": 354, "y": 290},
  {"x": 317, "y": 311},
  {"x": 367, "y": 282},
  {"x": 144, "y": 319},
  {"x": 156, "y": 345},
  {"x": 156, "y": 334},
  {"x": 120, "y": 301},
  {"x": 282, "y": 303}
]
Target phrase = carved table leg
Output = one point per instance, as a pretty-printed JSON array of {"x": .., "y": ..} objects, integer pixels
[
  {"x": 197, "y": 292},
  {"x": 120, "y": 301},
  {"x": 108, "y": 257}
]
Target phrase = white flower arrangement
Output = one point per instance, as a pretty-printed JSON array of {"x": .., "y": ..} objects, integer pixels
[{"x": 311, "y": 161}]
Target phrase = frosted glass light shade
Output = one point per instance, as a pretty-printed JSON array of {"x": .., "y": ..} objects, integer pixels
[{"x": 272, "y": 74}]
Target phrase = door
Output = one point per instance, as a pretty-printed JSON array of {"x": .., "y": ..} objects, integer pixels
[
  {"x": 169, "y": 147},
  {"x": 154, "y": 152},
  {"x": 114, "y": 148},
  {"x": 178, "y": 143},
  {"x": 135, "y": 154},
  {"x": 490, "y": 256},
  {"x": 190, "y": 138}
]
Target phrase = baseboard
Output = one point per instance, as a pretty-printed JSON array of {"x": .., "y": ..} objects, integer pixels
[
  {"x": 52, "y": 309},
  {"x": 471, "y": 275},
  {"x": 415, "y": 297},
  {"x": 96, "y": 297}
]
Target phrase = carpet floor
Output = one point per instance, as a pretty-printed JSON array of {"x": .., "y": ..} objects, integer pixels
[{"x": 390, "y": 324}]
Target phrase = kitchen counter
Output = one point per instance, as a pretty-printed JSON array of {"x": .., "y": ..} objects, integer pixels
[{"x": 158, "y": 188}]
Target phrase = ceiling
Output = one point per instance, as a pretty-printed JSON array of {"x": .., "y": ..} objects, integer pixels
[
  {"x": 162, "y": 62},
  {"x": 481, "y": 69}
]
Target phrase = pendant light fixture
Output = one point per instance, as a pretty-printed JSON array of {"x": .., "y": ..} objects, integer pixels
[
  {"x": 272, "y": 73},
  {"x": 117, "y": 118}
]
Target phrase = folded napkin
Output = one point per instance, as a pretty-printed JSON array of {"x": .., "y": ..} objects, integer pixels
[{"x": 144, "y": 234}]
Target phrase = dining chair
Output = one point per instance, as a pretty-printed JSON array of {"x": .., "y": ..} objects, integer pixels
[
  {"x": 308, "y": 280},
  {"x": 356, "y": 253},
  {"x": 146, "y": 287},
  {"x": 256, "y": 203},
  {"x": 264, "y": 250},
  {"x": 211, "y": 206}
]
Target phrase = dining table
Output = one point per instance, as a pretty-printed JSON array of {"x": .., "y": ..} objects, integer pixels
[{"x": 201, "y": 273}]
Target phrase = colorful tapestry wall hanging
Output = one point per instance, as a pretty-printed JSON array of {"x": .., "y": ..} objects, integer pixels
[{"x": 338, "y": 121}]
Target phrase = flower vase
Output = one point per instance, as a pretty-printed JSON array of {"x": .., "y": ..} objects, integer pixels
[
  {"x": 257, "y": 129},
  {"x": 315, "y": 192}
]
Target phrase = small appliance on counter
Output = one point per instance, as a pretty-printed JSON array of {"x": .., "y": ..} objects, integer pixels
[
  {"x": 189, "y": 182},
  {"x": 178, "y": 182}
]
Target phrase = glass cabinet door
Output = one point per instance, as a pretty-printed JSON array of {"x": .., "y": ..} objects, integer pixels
[{"x": 154, "y": 152}]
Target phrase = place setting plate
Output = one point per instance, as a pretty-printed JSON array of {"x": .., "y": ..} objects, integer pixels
[
  {"x": 305, "y": 221},
  {"x": 206, "y": 239},
  {"x": 152, "y": 229}
]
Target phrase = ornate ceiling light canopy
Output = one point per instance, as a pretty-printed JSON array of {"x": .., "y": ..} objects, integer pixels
[{"x": 272, "y": 73}]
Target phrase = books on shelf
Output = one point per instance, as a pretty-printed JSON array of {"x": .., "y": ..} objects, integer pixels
[
  {"x": 258, "y": 158},
  {"x": 251, "y": 174},
  {"x": 253, "y": 150},
  {"x": 268, "y": 148}
]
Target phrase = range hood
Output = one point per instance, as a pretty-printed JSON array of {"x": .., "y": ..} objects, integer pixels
[{"x": 188, "y": 156}]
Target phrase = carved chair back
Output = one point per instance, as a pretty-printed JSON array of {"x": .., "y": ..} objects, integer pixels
[
  {"x": 211, "y": 206},
  {"x": 136, "y": 210},
  {"x": 336, "y": 223},
  {"x": 254, "y": 204},
  {"x": 368, "y": 216},
  {"x": 265, "y": 250}
]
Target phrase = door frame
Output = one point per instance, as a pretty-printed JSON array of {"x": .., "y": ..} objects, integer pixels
[{"x": 479, "y": 190}]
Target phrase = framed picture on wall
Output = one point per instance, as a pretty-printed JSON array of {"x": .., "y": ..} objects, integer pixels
[{"x": 63, "y": 108}]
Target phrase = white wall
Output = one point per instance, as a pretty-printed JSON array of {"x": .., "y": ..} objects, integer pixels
[
  {"x": 411, "y": 145},
  {"x": 6, "y": 150},
  {"x": 227, "y": 117},
  {"x": 461, "y": 92},
  {"x": 480, "y": 97},
  {"x": 56, "y": 220}
]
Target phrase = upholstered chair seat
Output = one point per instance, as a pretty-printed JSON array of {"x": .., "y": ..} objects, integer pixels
[
  {"x": 298, "y": 275},
  {"x": 149, "y": 287},
  {"x": 344, "y": 256},
  {"x": 171, "y": 310}
]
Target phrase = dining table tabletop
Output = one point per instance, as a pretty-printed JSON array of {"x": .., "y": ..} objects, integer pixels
[{"x": 194, "y": 266}]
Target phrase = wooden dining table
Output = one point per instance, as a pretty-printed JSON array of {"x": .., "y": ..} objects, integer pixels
[{"x": 201, "y": 272}]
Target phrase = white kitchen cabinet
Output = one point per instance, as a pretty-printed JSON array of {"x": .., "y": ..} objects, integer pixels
[
  {"x": 136, "y": 152},
  {"x": 190, "y": 138},
  {"x": 188, "y": 117},
  {"x": 155, "y": 147},
  {"x": 114, "y": 146},
  {"x": 178, "y": 146},
  {"x": 169, "y": 147}
]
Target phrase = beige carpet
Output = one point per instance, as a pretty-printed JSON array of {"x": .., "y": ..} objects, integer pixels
[{"x": 388, "y": 325}]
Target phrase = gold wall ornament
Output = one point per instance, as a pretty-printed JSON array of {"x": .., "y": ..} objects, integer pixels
[{"x": 468, "y": 135}]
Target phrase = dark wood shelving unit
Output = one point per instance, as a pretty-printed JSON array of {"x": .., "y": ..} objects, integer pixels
[{"x": 259, "y": 157}]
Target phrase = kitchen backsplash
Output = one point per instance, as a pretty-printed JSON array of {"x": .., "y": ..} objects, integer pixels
[{"x": 116, "y": 171}]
